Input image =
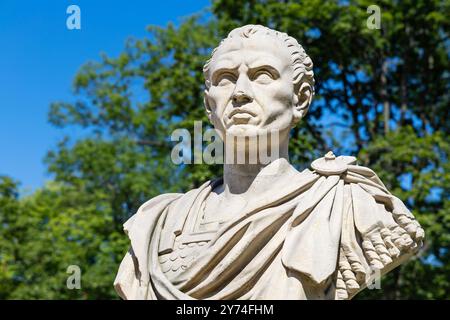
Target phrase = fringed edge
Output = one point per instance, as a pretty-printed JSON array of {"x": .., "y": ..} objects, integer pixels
[{"x": 350, "y": 274}]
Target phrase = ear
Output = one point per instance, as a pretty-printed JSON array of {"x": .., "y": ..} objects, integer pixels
[
  {"x": 302, "y": 101},
  {"x": 207, "y": 105}
]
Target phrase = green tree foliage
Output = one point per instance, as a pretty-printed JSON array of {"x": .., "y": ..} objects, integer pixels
[
  {"x": 45, "y": 233},
  {"x": 9, "y": 231},
  {"x": 381, "y": 95}
]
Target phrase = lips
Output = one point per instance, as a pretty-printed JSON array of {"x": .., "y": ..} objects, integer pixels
[{"x": 241, "y": 111}]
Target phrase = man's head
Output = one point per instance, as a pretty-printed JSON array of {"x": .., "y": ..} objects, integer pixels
[{"x": 257, "y": 79}]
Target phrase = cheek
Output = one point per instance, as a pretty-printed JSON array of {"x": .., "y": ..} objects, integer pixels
[
  {"x": 219, "y": 96},
  {"x": 284, "y": 91},
  {"x": 277, "y": 95}
]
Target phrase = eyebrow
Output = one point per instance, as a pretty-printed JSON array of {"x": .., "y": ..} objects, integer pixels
[
  {"x": 254, "y": 67},
  {"x": 222, "y": 68}
]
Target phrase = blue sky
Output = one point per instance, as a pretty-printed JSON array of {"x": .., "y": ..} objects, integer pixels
[{"x": 39, "y": 57}]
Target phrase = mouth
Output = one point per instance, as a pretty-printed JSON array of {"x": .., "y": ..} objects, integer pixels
[{"x": 241, "y": 113}]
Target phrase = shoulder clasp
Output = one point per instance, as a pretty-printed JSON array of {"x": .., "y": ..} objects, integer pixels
[{"x": 332, "y": 165}]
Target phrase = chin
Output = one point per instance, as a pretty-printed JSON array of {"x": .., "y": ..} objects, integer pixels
[{"x": 244, "y": 130}]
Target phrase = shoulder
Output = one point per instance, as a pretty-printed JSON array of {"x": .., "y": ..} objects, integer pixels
[
  {"x": 348, "y": 169},
  {"x": 167, "y": 198},
  {"x": 162, "y": 198},
  {"x": 378, "y": 231},
  {"x": 332, "y": 165},
  {"x": 153, "y": 205}
]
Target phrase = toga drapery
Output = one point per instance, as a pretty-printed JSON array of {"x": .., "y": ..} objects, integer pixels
[{"x": 318, "y": 236}]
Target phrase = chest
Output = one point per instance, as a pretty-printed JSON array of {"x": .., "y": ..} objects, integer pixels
[{"x": 206, "y": 217}]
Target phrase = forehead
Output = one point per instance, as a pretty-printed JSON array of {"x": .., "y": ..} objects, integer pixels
[{"x": 254, "y": 51}]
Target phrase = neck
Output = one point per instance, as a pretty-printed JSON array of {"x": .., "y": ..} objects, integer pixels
[{"x": 255, "y": 178}]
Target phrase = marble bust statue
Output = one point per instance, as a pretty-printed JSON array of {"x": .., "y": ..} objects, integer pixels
[{"x": 266, "y": 230}]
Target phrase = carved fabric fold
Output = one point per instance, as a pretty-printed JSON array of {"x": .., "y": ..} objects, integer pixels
[{"x": 319, "y": 237}]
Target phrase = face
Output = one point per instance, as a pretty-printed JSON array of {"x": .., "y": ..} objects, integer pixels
[{"x": 251, "y": 87}]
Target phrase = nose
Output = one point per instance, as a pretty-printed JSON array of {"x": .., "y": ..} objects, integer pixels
[{"x": 243, "y": 91}]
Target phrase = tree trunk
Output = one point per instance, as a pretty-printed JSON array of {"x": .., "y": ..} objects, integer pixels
[{"x": 384, "y": 97}]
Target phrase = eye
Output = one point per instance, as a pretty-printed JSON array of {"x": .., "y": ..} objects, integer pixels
[
  {"x": 263, "y": 76},
  {"x": 225, "y": 79}
]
